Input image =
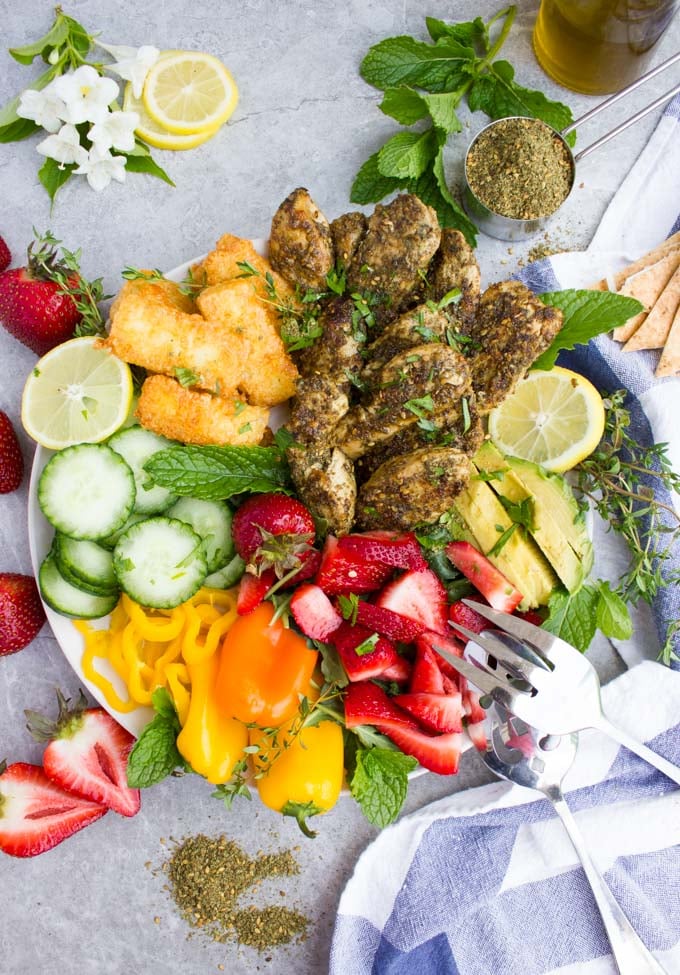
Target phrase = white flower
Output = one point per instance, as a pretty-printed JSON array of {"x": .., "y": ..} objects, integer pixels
[
  {"x": 65, "y": 147},
  {"x": 115, "y": 131},
  {"x": 132, "y": 63},
  {"x": 101, "y": 167},
  {"x": 44, "y": 107},
  {"x": 86, "y": 94}
]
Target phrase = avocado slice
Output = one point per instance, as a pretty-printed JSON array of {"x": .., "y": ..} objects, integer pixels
[
  {"x": 520, "y": 560},
  {"x": 559, "y": 528}
]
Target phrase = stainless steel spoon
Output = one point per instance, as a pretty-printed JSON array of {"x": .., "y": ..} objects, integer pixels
[{"x": 532, "y": 759}]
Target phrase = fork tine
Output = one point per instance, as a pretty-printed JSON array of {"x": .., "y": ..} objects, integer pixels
[
  {"x": 493, "y": 684},
  {"x": 515, "y": 662},
  {"x": 515, "y": 626}
]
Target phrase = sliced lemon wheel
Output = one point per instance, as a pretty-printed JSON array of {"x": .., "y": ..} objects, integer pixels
[
  {"x": 554, "y": 418},
  {"x": 155, "y": 135},
  {"x": 188, "y": 92},
  {"x": 78, "y": 393}
]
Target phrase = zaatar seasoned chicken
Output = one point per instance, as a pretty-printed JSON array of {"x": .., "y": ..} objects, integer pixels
[
  {"x": 300, "y": 244},
  {"x": 393, "y": 256},
  {"x": 347, "y": 232},
  {"x": 511, "y": 329},
  {"x": 411, "y": 489},
  {"x": 418, "y": 326},
  {"x": 325, "y": 482},
  {"x": 455, "y": 266},
  {"x": 417, "y": 385}
]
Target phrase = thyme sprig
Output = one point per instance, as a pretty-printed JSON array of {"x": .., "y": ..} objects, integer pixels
[
  {"x": 62, "y": 266},
  {"x": 300, "y": 326},
  {"x": 621, "y": 479}
]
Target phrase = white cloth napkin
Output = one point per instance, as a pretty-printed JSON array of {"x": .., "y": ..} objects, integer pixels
[{"x": 486, "y": 882}]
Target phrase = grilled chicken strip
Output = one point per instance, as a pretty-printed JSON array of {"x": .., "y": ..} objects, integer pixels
[
  {"x": 337, "y": 352},
  {"x": 455, "y": 266},
  {"x": 412, "y": 489},
  {"x": 511, "y": 329},
  {"x": 324, "y": 480},
  {"x": 347, "y": 232},
  {"x": 300, "y": 244},
  {"x": 420, "y": 325},
  {"x": 414, "y": 387},
  {"x": 395, "y": 253},
  {"x": 316, "y": 409}
]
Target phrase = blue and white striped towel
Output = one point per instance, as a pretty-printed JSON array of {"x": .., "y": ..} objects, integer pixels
[{"x": 486, "y": 882}]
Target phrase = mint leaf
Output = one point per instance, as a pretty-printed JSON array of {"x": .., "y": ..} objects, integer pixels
[
  {"x": 498, "y": 95},
  {"x": 380, "y": 783},
  {"x": 404, "y": 105},
  {"x": 586, "y": 314},
  {"x": 155, "y": 755},
  {"x": 465, "y": 33},
  {"x": 442, "y": 108},
  {"x": 572, "y": 616},
  {"x": 53, "y": 176},
  {"x": 405, "y": 61},
  {"x": 370, "y": 186},
  {"x": 613, "y": 617},
  {"x": 136, "y": 163},
  {"x": 407, "y": 154},
  {"x": 215, "y": 473}
]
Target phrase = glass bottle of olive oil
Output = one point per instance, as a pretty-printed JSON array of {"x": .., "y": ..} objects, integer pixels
[{"x": 599, "y": 46}]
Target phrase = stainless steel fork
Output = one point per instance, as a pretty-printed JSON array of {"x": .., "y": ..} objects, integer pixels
[{"x": 543, "y": 680}]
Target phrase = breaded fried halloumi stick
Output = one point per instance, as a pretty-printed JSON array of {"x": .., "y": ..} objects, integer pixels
[{"x": 195, "y": 417}]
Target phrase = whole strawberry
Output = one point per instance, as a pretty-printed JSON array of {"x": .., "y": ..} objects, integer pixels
[
  {"x": 33, "y": 305},
  {"x": 11, "y": 459},
  {"x": 21, "y": 611},
  {"x": 5, "y": 256}
]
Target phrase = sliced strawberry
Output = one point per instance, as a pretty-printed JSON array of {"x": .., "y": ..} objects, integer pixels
[
  {"x": 36, "y": 814},
  {"x": 426, "y": 675},
  {"x": 308, "y": 569},
  {"x": 435, "y": 712},
  {"x": 484, "y": 576},
  {"x": 314, "y": 613},
  {"x": 87, "y": 754},
  {"x": 419, "y": 595},
  {"x": 366, "y": 703},
  {"x": 477, "y": 733},
  {"x": 345, "y": 572},
  {"x": 475, "y": 715},
  {"x": 392, "y": 625},
  {"x": 399, "y": 672},
  {"x": 362, "y": 652},
  {"x": 531, "y": 616},
  {"x": 398, "y": 549},
  {"x": 252, "y": 589},
  {"x": 467, "y": 617}
]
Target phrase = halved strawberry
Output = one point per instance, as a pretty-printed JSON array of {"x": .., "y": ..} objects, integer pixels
[
  {"x": 36, "y": 814},
  {"x": 419, "y": 595},
  {"x": 435, "y": 712},
  {"x": 390, "y": 624},
  {"x": 366, "y": 703},
  {"x": 252, "y": 589},
  {"x": 484, "y": 576},
  {"x": 363, "y": 653},
  {"x": 343, "y": 572},
  {"x": 467, "y": 617},
  {"x": 87, "y": 754},
  {"x": 314, "y": 613},
  {"x": 398, "y": 549},
  {"x": 399, "y": 672},
  {"x": 426, "y": 675}
]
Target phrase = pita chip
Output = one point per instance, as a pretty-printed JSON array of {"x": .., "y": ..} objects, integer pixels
[
  {"x": 653, "y": 332},
  {"x": 669, "y": 363},
  {"x": 643, "y": 262},
  {"x": 647, "y": 286}
]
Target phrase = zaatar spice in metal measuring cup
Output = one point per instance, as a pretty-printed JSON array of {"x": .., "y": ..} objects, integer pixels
[{"x": 518, "y": 172}]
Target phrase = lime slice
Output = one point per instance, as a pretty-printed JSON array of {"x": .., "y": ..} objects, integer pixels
[
  {"x": 155, "y": 135},
  {"x": 554, "y": 418},
  {"x": 78, "y": 393},
  {"x": 188, "y": 92}
]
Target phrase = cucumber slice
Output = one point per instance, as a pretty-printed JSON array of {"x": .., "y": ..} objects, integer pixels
[
  {"x": 228, "y": 576},
  {"x": 212, "y": 521},
  {"x": 86, "y": 491},
  {"x": 67, "y": 599},
  {"x": 136, "y": 445},
  {"x": 111, "y": 540},
  {"x": 160, "y": 562},
  {"x": 85, "y": 565}
]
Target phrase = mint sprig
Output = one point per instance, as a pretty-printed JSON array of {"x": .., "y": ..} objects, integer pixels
[
  {"x": 424, "y": 84},
  {"x": 154, "y": 755},
  {"x": 380, "y": 782},
  {"x": 586, "y": 314},
  {"x": 216, "y": 473}
]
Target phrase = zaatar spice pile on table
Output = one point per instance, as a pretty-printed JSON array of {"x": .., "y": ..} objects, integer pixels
[{"x": 208, "y": 876}]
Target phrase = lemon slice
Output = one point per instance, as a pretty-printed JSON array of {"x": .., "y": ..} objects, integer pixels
[
  {"x": 155, "y": 135},
  {"x": 188, "y": 92},
  {"x": 78, "y": 393},
  {"x": 554, "y": 418}
]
